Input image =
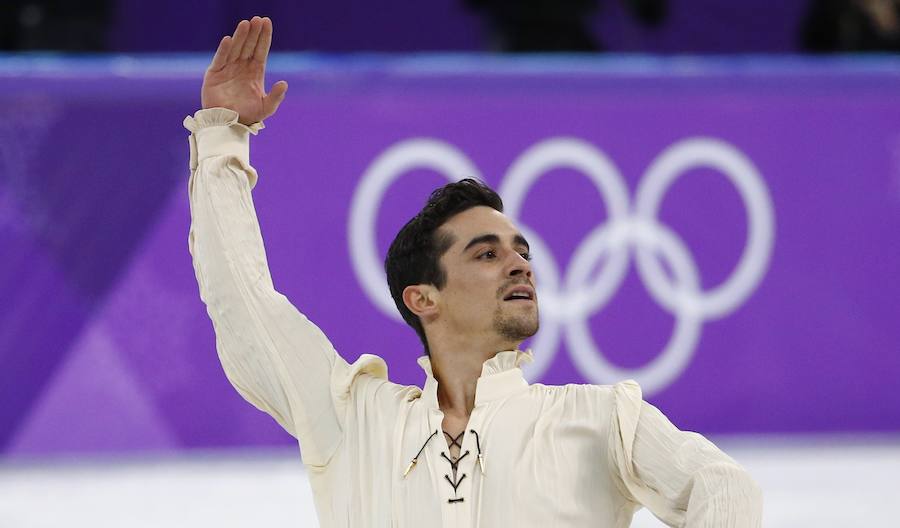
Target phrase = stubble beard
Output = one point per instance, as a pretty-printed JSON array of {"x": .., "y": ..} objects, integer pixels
[{"x": 515, "y": 327}]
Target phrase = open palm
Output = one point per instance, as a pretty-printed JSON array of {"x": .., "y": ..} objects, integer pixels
[{"x": 236, "y": 77}]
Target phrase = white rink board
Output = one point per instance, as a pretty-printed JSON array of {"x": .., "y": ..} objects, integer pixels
[{"x": 838, "y": 483}]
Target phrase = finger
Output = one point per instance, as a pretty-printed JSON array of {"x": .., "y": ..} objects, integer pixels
[
  {"x": 240, "y": 35},
  {"x": 250, "y": 44},
  {"x": 272, "y": 101},
  {"x": 220, "y": 59},
  {"x": 265, "y": 41}
]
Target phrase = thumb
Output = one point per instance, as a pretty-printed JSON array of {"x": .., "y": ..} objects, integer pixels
[{"x": 274, "y": 98}]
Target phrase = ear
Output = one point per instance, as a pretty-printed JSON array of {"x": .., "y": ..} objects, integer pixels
[{"x": 421, "y": 299}]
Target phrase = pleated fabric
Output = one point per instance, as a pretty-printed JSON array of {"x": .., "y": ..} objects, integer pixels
[{"x": 532, "y": 455}]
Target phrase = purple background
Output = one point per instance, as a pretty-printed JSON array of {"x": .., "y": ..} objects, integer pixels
[
  {"x": 696, "y": 26},
  {"x": 105, "y": 344}
]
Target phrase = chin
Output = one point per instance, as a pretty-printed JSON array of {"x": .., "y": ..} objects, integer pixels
[{"x": 517, "y": 328}]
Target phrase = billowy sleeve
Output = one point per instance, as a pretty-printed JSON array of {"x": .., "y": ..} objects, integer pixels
[
  {"x": 271, "y": 353},
  {"x": 680, "y": 476}
]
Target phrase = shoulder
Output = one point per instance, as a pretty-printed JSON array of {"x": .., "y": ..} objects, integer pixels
[
  {"x": 596, "y": 402},
  {"x": 623, "y": 389},
  {"x": 367, "y": 379}
]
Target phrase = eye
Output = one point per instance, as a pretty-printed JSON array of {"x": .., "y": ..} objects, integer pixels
[
  {"x": 526, "y": 255},
  {"x": 488, "y": 253}
]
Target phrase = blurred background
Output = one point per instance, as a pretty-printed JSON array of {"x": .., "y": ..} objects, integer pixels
[{"x": 756, "y": 145}]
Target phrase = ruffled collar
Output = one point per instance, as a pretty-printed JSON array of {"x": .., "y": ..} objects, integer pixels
[{"x": 500, "y": 377}]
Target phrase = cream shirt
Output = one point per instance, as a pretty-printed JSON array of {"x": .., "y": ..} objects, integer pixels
[{"x": 532, "y": 455}]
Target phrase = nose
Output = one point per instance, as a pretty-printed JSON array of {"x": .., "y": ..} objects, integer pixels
[{"x": 519, "y": 266}]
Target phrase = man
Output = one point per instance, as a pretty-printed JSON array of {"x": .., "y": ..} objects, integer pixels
[{"x": 477, "y": 446}]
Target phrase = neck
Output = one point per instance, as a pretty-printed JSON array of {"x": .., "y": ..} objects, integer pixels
[{"x": 457, "y": 367}]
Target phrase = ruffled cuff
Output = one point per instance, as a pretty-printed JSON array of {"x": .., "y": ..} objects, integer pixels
[{"x": 217, "y": 132}]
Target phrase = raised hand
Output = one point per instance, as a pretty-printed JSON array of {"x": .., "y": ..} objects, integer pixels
[{"x": 235, "y": 78}]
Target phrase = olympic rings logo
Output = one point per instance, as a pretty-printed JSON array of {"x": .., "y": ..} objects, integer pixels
[{"x": 568, "y": 300}]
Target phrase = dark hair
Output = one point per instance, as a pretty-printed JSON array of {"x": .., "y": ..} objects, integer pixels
[{"x": 414, "y": 255}]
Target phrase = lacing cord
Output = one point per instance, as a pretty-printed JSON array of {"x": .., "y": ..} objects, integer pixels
[
  {"x": 483, "y": 474},
  {"x": 415, "y": 459},
  {"x": 457, "y": 479},
  {"x": 480, "y": 456},
  {"x": 453, "y": 464}
]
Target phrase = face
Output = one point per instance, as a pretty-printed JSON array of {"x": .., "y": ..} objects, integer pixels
[{"x": 489, "y": 291}]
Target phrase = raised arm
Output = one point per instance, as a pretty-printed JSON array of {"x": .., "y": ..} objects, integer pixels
[{"x": 273, "y": 355}]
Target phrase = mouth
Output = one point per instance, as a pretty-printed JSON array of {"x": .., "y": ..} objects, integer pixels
[{"x": 520, "y": 294}]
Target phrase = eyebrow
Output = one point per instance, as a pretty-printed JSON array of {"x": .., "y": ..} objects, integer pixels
[{"x": 491, "y": 238}]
